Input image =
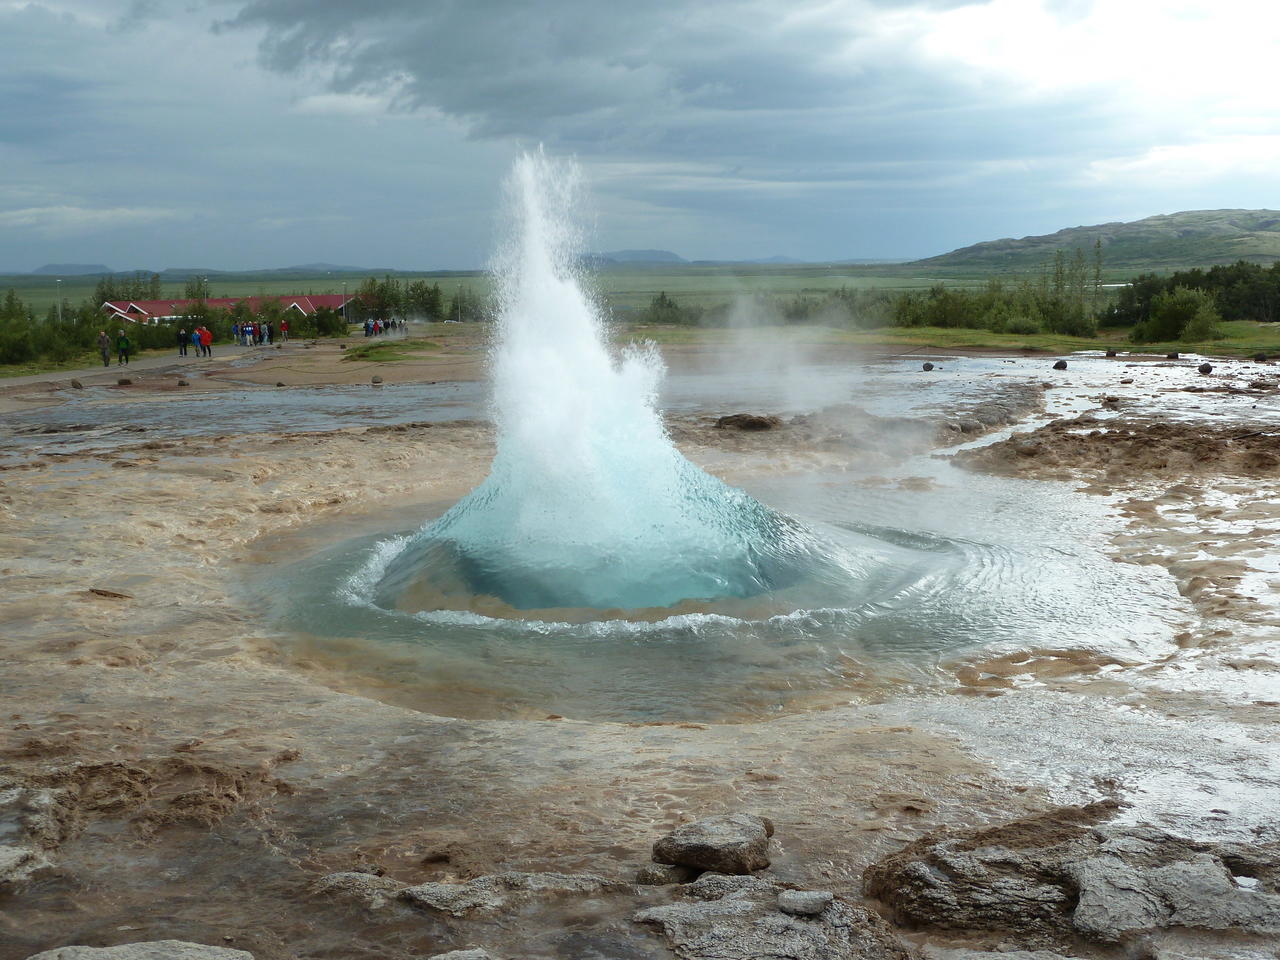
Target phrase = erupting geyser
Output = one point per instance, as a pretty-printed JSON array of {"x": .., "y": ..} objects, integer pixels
[{"x": 588, "y": 503}]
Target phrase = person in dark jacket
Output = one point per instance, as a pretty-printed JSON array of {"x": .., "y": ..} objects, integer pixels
[
  {"x": 104, "y": 347},
  {"x": 123, "y": 348},
  {"x": 183, "y": 340}
]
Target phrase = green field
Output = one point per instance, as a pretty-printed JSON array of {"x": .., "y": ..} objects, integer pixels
[{"x": 624, "y": 289}]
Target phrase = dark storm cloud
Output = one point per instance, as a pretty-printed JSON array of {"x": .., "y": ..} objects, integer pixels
[
  {"x": 770, "y": 88},
  {"x": 582, "y": 69},
  {"x": 719, "y": 128}
]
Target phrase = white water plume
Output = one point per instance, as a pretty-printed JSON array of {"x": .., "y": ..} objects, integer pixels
[{"x": 588, "y": 503}]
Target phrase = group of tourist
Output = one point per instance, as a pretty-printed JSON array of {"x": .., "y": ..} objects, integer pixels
[
  {"x": 256, "y": 334},
  {"x": 123, "y": 345},
  {"x": 201, "y": 338},
  {"x": 375, "y": 328}
]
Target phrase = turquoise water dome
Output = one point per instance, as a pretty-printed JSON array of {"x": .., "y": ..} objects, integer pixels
[{"x": 588, "y": 502}]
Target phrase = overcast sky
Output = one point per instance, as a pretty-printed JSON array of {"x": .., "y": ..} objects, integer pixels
[{"x": 232, "y": 134}]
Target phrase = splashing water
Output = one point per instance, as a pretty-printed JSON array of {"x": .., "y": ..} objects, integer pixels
[{"x": 588, "y": 503}]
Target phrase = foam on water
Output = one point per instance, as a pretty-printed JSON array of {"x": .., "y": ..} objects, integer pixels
[{"x": 588, "y": 503}]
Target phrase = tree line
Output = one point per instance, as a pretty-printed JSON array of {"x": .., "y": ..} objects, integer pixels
[
  {"x": 390, "y": 298},
  {"x": 1067, "y": 298}
]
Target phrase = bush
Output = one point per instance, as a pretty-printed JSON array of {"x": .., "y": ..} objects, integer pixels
[{"x": 1183, "y": 313}]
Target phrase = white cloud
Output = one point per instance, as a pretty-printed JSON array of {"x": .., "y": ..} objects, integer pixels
[
  {"x": 343, "y": 104},
  {"x": 61, "y": 221},
  {"x": 1182, "y": 165}
]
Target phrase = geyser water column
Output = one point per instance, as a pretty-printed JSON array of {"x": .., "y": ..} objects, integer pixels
[{"x": 588, "y": 503}]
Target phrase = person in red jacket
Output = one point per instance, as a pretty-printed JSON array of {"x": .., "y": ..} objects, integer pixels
[{"x": 206, "y": 341}]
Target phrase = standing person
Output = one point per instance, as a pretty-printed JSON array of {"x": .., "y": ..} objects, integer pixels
[
  {"x": 271, "y": 334},
  {"x": 284, "y": 330},
  {"x": 123, "y": 349},
  {"x": 104, "y": 348},
  {"x": 206, "y": 341},
  {"x": 182, "y": 342},
  {"x": 235, "y": 332}
]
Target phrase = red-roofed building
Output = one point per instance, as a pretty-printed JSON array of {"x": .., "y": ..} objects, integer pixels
[{"x": 154, "y": 311}]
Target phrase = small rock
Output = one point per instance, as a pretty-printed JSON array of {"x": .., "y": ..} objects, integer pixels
[
  {"x": 341, "y": 346},
  {"x": 1205, "y": 368},
  {"x": 279, "y": 345},
  {"x": 376, "y": 380},
  {"x": 149, "y": 950},
  {"x": 1060, "y": 365},
  {"x": 736, "y": 843},
  {"x": 1111, "y": 353},
  {"x": 662, "y": 874},
  {"x": 184, "y": 383},
  {"x": 279, "y": 383},
  {"x": 1261, "y": 385},
  {"x": 1260, "y": 357},
  {"x": 927, "y": 367},
  {"x": 1172, "y": 355},
  {"x": 77, "y": 384},
  {"x": 804, "y": 903},
  {"x": 123, "y": 382},
  {"x": 1127, "y": 380}
]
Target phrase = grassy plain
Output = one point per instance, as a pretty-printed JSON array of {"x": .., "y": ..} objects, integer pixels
[{"x": 624, "y": 289}]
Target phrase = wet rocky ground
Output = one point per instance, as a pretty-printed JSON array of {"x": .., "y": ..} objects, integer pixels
[{"x": 168, "y": 774}]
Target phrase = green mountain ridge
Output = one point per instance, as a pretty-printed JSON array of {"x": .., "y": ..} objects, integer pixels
[{"x": 1166, "y": 241}]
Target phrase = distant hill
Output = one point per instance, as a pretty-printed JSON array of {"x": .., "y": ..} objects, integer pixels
[
  {"x": 71, "y": 269},
  {"x": 1190, "y": 238},
  {"x": 639, "y": 256}
]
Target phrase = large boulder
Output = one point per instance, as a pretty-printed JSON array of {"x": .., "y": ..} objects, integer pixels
[
  {"x": 736, "y": 843},
  {"x": 148, "y": 950},
  {"x": 1065, "y": 875}
]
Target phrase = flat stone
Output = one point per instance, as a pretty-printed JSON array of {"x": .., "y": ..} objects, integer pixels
[
  {"x": 148, "y": 950},
  {"x": 747, "y": 928},
  {"x": 736, "y": 843},
  {"x": 497, "y": 891},
  {"x": 76, "y": 384},
  {"x": 371, "y": 890},
  {"x": 722, "y": 886},
  {"x": 661, "y": 874},
  {"x": 804, "y": 903},
  {"x": 18, "y": 862},
  {"x": 476, "y": 954}
]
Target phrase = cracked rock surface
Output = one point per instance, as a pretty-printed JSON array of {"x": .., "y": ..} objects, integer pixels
[
  {"x": 150, "y": 950},
  {"x": 737, "y": 918}
]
